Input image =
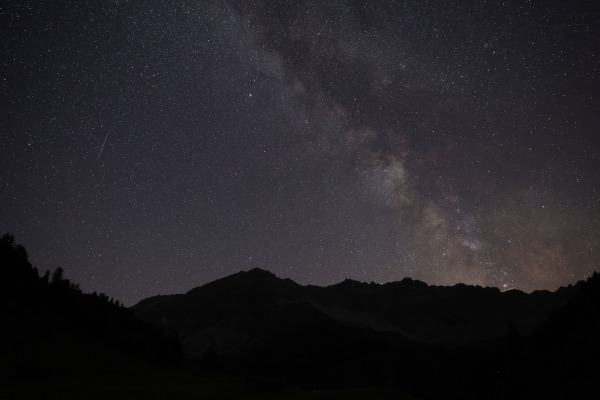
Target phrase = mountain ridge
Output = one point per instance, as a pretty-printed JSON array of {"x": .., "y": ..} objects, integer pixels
[
  {"x": 444, "y": 315},
  {"x": 257, "y": 272},
  {"x": 400, "y": 334}
]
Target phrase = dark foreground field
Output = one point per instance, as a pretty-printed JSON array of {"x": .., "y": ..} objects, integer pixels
[{"x": 173, "y": 385}]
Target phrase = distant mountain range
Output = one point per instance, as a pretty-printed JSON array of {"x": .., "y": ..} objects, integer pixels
[
  {"x": 399, "y": 334},
  {"x": 234, "y": 313}
]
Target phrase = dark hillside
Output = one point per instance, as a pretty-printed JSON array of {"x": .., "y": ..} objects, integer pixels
[{"x": 51, "y": 329}]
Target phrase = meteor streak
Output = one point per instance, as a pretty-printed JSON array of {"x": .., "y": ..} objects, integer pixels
[{"x": 102, "y": 148}]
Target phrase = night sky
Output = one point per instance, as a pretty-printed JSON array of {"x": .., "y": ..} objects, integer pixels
[{"x": 151, "y": 147}]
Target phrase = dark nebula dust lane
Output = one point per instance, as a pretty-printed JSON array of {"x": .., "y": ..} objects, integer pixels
[{"x": 152, "y": 147}]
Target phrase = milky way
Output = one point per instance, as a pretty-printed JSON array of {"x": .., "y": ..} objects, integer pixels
[{"x": 444, "y": 141}]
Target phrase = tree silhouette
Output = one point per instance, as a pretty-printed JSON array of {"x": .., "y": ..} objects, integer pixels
[
  {"x": 59, "y": 307},
  {"x": 57, "y": 275},
  {"x": 46, "y": 277}
]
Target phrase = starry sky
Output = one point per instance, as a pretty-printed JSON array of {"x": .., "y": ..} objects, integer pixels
[{"x": 153, "y": 146}]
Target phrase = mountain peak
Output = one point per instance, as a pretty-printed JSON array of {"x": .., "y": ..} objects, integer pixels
[
  {"x": 249, "y": 279},
  {"x": 348, "y": 284},
  {"x": 259, "y": 272}
]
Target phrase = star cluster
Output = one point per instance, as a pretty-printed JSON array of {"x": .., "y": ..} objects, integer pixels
[{"x": 150, "y": 147}]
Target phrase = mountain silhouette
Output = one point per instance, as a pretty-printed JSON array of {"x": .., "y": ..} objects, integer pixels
[
  {"x": 352, "y": 334},
  {"x": 257, "y": 303},
  {"x": 257, "y": 333},
  {"x": 562, "y": 355}
]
